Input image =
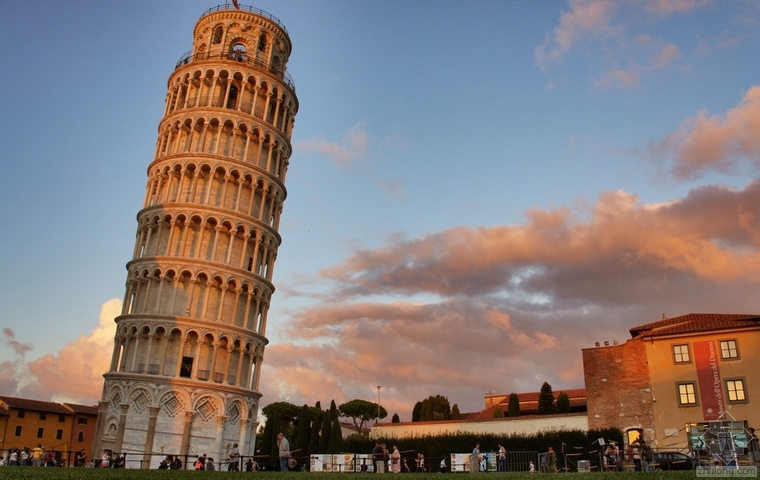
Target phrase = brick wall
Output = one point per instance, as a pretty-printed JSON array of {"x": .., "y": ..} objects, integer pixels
[{"x": 618, "y": 389}]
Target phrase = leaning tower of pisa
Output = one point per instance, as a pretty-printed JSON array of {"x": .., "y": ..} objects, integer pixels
[{"x": 184, "y": 376}]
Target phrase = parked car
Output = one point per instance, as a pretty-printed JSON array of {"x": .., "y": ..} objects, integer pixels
[{"x": 672, "y": 461}]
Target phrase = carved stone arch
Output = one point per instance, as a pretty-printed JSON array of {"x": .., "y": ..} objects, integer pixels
[
  {"x": 192, "y": 333},
  {"x": 208, "y": 406},
  {"x": 227, "y": 226},
  {"x": 236, "y": 409},
  {"x": 172, "y": 400},
  {"x": 115, "y": 396},
  {"x": 217, "y": 280},
  {"x": 145, "y": 330},
  {"x": 202, "y": 276},
  {"x": 186, "y": 275},
  {"x": 140, "y": 398}
]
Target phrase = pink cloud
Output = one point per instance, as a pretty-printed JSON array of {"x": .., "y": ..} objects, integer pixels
[
  {"x": 669, "y": 7},
  {"x": 353, "y": 146},
  {"x": 586, "y": 17},
  {"x": 718, "y": 142},
  {"x": 74, "y": 374}
]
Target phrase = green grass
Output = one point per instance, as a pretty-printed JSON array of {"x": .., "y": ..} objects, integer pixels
[{"x": 40, "y": 473}]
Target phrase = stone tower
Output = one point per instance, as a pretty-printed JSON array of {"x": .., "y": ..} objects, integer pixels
[{"x": 184, "y": 377}]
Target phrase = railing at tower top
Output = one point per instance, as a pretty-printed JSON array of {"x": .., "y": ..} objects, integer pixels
[
  {"x": 261, "y": 13},
  {"x": 241, "y": 57}
]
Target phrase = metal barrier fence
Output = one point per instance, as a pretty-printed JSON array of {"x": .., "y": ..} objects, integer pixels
[{"x": 514, "y": 462}]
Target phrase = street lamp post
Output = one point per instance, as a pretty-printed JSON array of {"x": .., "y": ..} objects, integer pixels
[{"x": 378, "y": 404}]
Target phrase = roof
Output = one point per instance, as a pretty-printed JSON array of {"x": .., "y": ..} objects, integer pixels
[
  {"x": 529, "y": 403},
  {"x": 34, "y": 405},
  {"x": 83, "y": 409},
  {"x": 695, "y": 323}
]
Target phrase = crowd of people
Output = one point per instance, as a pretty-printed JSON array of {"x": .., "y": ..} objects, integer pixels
[{"x": 34, "y": 457}]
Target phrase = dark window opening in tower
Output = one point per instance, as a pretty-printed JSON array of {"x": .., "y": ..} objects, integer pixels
[
  {"x": 250, "y": 264},
  {"x": 232, "y": 100},
  {"x": 262, "y": 42},
  {"x": 187, "y": 367},
  {"x": 217, "y": 38}
]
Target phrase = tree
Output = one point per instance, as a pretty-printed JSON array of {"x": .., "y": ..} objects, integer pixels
[
  {"x": 513, "y": 407},
  {"x": 336, "y": 437},
  {"x": 498, "y": 413},
  {"x": 326, "y": 429},
  {"x": 316, "y": 424},
  {"x": 361, "y": 412},
  {"x": 417, "y": 412},
  {"x": 266, "y": 438},
  {"x": 546, "y": 400},
  {"x": 304, "y": 431},
  {"x": 395, "y": 418},
  {"x": 455, "y": 415},
  {"x": 435, "y": 408},
  {"x": 563, "y": 403},
  {"x": 286, "y": 414}
]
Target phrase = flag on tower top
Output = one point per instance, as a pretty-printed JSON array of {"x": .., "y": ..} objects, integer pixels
[{"x": 234, "y": 2}]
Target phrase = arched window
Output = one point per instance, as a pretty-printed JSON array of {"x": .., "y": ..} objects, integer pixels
[
  {"x": 80, "y": 436},
  {"x": 217, "y": 38},
  {"x": 238, "y": 53},
  {"x": 262, "y": 42}
]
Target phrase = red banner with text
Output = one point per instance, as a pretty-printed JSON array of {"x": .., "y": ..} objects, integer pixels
[{"x": 708, "y": 374}]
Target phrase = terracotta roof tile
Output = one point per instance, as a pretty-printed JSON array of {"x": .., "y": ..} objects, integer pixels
[
  {"x": 35, "y": 405},
  {"x": 83, "y": 409},
  {"x": 694, "y": 323}
]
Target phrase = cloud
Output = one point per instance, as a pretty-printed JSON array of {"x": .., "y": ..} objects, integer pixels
[
  {"x": 507, "y": 307},
  {"x": 715, "y": 143},
  {"x": 74, "y": 374},
  {"x": 19, "y": 348},
  {"x": 353, "y": 146},
  {"x": 669, "y": 7},
  {"x": 585, "y": 18}
]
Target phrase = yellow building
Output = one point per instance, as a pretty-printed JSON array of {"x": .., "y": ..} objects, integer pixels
[
  {"x": 702, "y": 367},
  {"x": 64, "y": 428},
  {"x": 676, "y": 375}
]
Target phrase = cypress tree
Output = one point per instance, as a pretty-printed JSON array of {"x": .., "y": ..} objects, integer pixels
[
  {"x": 513, "y": 407},
  {"x": 266, "y": 438},
  {"x": 304, "y": 432},
  {"x": 336, "y": 438},
  {"x": 274, "y": 451},
  {"x": 417, "y": 412},
  {"x": 395, "y": 418},
  {"x": 325, "y": 431},
  {"x": 316, "y": 423},
  {"x": 563, "y": 403},
  {"x": 546, "y": 400},
  {"x": 455, "y": 415}
]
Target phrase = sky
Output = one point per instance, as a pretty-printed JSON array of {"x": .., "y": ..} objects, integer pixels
[{"x": 477, "y": 191}]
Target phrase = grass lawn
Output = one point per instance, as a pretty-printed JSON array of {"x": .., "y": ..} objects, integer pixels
[{"x": 41, "y": 473}]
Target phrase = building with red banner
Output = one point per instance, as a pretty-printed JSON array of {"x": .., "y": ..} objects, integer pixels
[{"x": 674, "y": 376}]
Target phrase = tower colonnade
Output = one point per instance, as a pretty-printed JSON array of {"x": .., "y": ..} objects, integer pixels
[{"x": 189, "y": 344}]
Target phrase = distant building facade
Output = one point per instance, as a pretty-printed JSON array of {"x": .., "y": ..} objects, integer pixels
[
  {"x": 189, "y": 343},
  {"x": 675, "y": 375},
  {"x": 63, "y": 427}
]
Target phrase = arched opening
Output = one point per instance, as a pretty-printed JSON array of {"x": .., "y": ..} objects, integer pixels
[{"x": 216, "y": 38}]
